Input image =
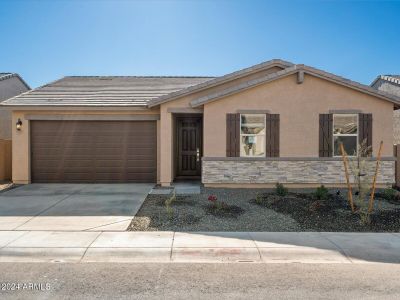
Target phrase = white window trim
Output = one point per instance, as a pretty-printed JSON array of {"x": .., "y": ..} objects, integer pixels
[
  {"x": 354, "y": 134},
  {"x": 249, "y": 134}
]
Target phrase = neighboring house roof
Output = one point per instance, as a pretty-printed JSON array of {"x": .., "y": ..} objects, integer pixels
[
  {"x": 292, "y": 70},
  {"x": 389, "y": 78},
  {"x": 7, "y": 75},
  {"x": 222, "y": 79},
  {"x": 390, "y": 84},
  {"x": 103, "y": 91}
]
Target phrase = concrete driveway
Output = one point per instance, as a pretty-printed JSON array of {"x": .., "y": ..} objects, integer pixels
[{"x": 82, "y": 207}]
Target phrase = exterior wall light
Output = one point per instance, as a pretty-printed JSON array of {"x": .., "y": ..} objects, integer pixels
[{"x": 19, "y": 124}]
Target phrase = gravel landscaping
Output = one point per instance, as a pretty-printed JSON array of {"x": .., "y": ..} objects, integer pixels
[{"x": 261, "y": 210}]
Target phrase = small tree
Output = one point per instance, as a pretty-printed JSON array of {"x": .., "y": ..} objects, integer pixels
[{"x": 362, "y": 179}]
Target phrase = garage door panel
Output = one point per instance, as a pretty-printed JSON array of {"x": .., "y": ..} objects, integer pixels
[
  {"x": 140, "y": 163},
  {"x": 109, "y": 163},
  {"x": 133, "y": 152},
  {"x": 47, "y": 164},
  {"x": 140, "y": 177},
  {"x": 62, "y": 136},
  {"x": 93, "y": 151}
]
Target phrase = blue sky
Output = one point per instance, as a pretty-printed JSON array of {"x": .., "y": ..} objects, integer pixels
[{"x": 45, "y": 40}]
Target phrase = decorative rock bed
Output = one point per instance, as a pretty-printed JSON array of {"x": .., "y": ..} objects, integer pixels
[{"x": 241, "y": 212}]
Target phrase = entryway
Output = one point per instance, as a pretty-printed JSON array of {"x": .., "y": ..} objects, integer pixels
[{"x": 188, "y": 146}]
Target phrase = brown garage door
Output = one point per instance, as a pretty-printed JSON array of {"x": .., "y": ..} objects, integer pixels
[{"x": 93, "y": 151}]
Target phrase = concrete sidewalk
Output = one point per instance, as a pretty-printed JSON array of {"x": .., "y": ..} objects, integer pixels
[{"x": 261, "y": 247}]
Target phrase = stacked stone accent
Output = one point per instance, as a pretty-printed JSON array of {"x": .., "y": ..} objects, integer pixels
[{"x": 316, "y": 171}]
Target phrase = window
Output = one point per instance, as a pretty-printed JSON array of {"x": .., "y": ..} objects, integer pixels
[
  {"x": 252, "y": 135},
  {"x": 345, "y": 130}
]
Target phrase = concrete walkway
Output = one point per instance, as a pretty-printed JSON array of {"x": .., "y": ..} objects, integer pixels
[{"x": 259, "y": 247}]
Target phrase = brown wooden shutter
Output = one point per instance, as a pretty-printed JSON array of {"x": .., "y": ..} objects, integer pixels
[
  {"x": 232, "y": 135},
  {"x": 365, "y": 129},
  {"x": 325, "y": 135},
  {"x": 272, "y": 135}
]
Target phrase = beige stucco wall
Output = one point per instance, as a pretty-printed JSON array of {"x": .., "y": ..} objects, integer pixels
[
  {"x": 299, "y": 106},
  {"x": 21, "y": 145}
]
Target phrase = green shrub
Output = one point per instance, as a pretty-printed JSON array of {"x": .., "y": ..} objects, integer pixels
[
  {"x": 168, "y": 205},
  {"x": 389, "y": 193},
  {"x": 281, "y": 190},
  {"x": 321, "y": 193},
  {"x": 259, "y": 198}
]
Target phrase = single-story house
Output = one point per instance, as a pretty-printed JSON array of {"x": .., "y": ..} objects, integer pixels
[
  {"x": 272, "y": 122},
  {"x": 391, "y": 85},
  {"x": 11, "y": 84}
]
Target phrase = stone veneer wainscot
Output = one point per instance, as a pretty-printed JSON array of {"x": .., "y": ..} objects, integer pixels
[{"x": 287, "y": 170}]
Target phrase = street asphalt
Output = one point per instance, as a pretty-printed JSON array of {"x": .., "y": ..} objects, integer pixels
[{"x": 202, "y": 281}]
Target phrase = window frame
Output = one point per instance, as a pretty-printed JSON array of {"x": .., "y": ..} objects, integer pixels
[
  {"x": 340, "y": 134},
  {"x": 253, "y": 134}
]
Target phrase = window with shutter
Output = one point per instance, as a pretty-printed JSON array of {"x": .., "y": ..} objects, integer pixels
[
  {"x": 252, "y": 135},
  {"x": 346, "y": 132}
]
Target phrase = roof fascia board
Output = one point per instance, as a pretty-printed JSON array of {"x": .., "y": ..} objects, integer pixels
[{"x": 220, "y": 80}]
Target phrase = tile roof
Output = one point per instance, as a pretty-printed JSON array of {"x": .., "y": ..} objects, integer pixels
[
  {"x": 104, "y": 90},
  {"x": 390, "y": 78},
  {"x": 7, "y": 75}
]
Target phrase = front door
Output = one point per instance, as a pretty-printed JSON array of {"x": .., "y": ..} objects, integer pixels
[{"x": 189, "y": 146}]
